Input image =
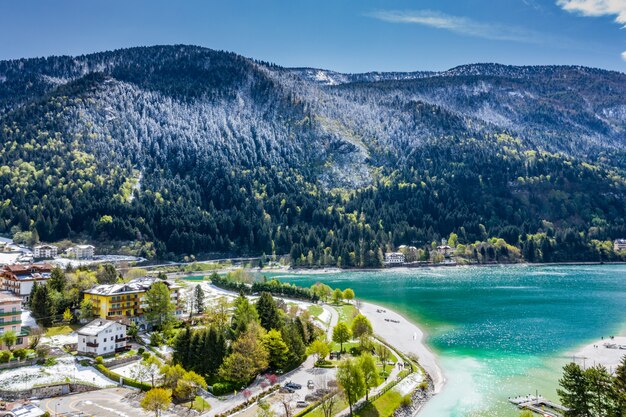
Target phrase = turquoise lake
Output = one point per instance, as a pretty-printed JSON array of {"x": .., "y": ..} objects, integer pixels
[{"x": 498, "y": 331}]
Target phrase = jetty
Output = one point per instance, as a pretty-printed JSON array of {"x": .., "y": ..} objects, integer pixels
[{"x": 539, "y": 405}]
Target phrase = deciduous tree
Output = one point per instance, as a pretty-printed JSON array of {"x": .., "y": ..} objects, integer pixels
[
  {"x": 351, "y": 379},
  {"x": 341, "y": 334},
  {"x": 157, "y": 400}
]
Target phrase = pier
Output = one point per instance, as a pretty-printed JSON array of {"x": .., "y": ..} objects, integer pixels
[{"x": 539, "y": 405}]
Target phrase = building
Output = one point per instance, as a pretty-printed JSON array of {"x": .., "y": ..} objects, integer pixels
[
  {"x": 444, "y": 250},
  {"x": 394, "y": 258},
  {"x": 19, "y": 279},
  {"x": 126, "y": 300},
  {"x": 11, "y": 319},
  {"x": 102, "y": 337},
  {"x": 619, "y": 245},
  {"x": 81, "y": 252},
  {"x": 45, "y": 251}
]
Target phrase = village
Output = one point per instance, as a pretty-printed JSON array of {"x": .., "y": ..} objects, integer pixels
[{"x": 119, "y": 345}]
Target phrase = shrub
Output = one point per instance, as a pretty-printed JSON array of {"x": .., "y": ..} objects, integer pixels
[
  {"x": 141, "y": 350},
  {"x": 99, "y": 360},
  {"x": 50, "y": 362},
  {"x": 406, "y": 401},
  {"x": 5, "y": 356},
  {"x": 221, "y": 388},
  {"x": 156, "y": 339},
  {"x": 20, "y": 354}
]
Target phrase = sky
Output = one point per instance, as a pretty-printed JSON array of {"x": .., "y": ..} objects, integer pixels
[{"x": 341, "y": 35}]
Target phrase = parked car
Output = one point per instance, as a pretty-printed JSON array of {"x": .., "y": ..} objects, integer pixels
[
  {"x": 310, "y": 384},
  {"x": 293, "y": 385},
  {"x": 301, "y": 404},
  {"x": 286, "y": 390}
]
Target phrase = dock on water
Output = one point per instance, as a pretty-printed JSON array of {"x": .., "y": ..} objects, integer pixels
[{"x": 539, "y": 405}]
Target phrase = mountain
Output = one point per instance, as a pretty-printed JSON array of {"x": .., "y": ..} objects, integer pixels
[{"x": 187, "y": 150}]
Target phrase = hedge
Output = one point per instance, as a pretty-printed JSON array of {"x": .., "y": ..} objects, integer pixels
[{"x": 125, "y": 381}]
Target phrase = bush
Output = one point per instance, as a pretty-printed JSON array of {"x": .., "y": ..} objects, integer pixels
[
  {"x": 5, "y": 356},
  {"x": 222, "y": 388},
  {"x": 145, "y": 355},
  {"x": 99, "y": 360},
  {"x": 20, "y": 354},
  {"x": 50, "y": 362},
  {"x": 406, "y": 401},
  {"x": 156, "y": 339},
  {"x": 141, "y": 350}
]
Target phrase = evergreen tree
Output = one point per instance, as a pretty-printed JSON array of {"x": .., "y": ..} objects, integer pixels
[
  {"x": 182, "y": 348},
  {"x": 269, "y": 315},
  {"x": 42, "y": 305},
  {"x": 297, "y": 347},
  {"x": 215, "y": 350},
  {"x": 244, "y": 314},
  {"x": 57, "y": 280},
  {"x": 574, "y": 391},
  {"x": 199, "y": 299}
]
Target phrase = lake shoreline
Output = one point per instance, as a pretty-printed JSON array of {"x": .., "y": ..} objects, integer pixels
[{"x": 321, "y": 271}]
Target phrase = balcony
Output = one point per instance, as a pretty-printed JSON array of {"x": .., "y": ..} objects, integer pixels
[
  {"x": 8, "y": 323},
  {"x": 11, "y": 313},
  {"x": 121, "y": 339},
  {"x": 92, "y": 344}
]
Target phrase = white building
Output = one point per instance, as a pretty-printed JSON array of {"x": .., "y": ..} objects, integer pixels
[
  {"x": 45, "y": 251},
  {"x": 394, "y": 258},
  {"x": 619, "y": 245},
  {"x": 102, "y": 337},
  {"x": 81, "y": 251},
  {"x": 444, "y": 250}
]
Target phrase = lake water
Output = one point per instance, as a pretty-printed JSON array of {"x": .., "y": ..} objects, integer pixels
[{"x": 498, "y": 331}]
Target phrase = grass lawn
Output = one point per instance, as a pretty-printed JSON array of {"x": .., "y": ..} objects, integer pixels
[
  {"x": 316, "y": 310},
  {"x": 199, "y": 404},
  {"x": 346, "y": 346},
  {"x": 383, "y": 406},
  {"x": 342, "y": 404},
  {"x": 61, "y": 330},
  {"x": 347, "y": 313}
]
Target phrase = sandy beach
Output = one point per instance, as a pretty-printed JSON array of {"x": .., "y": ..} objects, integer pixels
[
  {"x": 404, "y": 336},
  {"x": 605, "y": 352}
]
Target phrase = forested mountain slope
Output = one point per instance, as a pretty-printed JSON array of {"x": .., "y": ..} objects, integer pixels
[{"x": 190, "y": 151}]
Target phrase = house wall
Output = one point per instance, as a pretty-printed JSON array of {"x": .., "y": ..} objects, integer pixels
[{"x": 108, "y": 340}]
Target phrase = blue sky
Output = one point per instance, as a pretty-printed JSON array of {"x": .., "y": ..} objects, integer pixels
[{"x": 348, "y": 36}]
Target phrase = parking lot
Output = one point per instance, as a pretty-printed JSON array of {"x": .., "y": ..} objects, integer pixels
[{"x": 110, "y": 402}]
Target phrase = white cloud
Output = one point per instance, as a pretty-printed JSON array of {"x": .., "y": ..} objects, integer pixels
[
  {"x": 615, "y": 8},
  {"x": 460, "y": 25},
  {"x": 624, "y": 55}
]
